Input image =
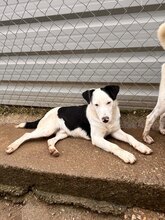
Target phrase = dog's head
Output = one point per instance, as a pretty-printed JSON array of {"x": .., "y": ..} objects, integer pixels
[{"x": 102, "y": 100}]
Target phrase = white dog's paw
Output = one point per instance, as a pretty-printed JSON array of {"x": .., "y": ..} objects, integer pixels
[
  {"x": 143, "y": 149},
  {"x": 11, "y": 148},
  {"x": 148, "y": 139},
  {"x": 52, "y": 150},
  {"x": 162, "y": 131},
  {"x": 127, "y": 157}
]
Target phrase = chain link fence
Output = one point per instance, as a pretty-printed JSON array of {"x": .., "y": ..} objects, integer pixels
[{"x": 51, "y": 51}]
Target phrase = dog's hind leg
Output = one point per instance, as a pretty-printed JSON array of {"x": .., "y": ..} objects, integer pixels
[
  {"x": 38, "y": 133},
  {"x": 162, "y": 124},
  {"x": 123, "y": 136},
  {"x": 157, "y": 111},
  {"x": 61, "y": 134}
]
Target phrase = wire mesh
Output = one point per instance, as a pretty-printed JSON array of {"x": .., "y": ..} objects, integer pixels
[{"x": 51, "y": 51}]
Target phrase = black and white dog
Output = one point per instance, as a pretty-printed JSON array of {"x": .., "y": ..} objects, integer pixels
[
  {"x": 159, "y": 109},
  {"x": 94, "y": 121}
]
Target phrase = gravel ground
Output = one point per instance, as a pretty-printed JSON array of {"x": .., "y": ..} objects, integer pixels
[{"x": 34, "y": 209}]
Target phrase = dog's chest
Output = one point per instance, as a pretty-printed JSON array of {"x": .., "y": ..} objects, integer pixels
[{"x": 110, "y": 128}]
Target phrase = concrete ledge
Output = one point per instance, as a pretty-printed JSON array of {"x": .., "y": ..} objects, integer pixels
[
  {"x": 94, "y": 205},
  {"x": 84, "y": 175}
]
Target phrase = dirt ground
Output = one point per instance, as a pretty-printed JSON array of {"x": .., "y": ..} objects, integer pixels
[{"x": 34, "y": 209}]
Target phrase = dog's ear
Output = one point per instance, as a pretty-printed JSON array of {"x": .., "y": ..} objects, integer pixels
[
  {"x": 87, "y": 95},
  {"x": 112, "y": 91}
]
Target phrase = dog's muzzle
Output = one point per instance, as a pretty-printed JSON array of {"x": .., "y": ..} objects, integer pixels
[{"x": 105, "y": 119}]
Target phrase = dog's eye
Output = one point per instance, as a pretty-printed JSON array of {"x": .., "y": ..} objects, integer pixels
[
  {"x": 96, "y": 105},
  {"x": 108, "y": 103}
]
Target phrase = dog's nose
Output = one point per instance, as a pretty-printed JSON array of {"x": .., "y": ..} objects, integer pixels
[{"x": 105, "y": 119}]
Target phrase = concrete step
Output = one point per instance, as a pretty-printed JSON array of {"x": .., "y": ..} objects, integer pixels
[{"x": 83, "y": 175}]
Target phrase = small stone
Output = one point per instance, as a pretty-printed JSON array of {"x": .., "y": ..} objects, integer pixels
[
  {"x": 24, "y": 202},
  {"x": 139, "y": 217},
  {"x": 133, "y": 217}
]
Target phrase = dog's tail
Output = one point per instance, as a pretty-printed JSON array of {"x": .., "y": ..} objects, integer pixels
[
  {"x": 161, "y": 35},
  {"x": 30, "y": 125}
]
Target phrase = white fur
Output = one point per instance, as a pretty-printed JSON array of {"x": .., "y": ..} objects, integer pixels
[
  {"x": 21, "y": 125},
  {"x": 159, "y": 109},
  {"x": 106, "y": 107},
  {"x": 161, "y": 35}
]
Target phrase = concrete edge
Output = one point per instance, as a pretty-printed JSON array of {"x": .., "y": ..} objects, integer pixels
[
  {"x": 13, "y": 193},
  {"x": 93, "y": 205},
  {"x": 81, "y": 191}
]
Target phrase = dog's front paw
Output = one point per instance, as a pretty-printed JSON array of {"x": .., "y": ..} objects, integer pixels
[
  {"x": 162, "y": 131},
  {"x": 143, "y": 149},
  {"x": 128, "y": 157},
  {"x": 53, "y": 151},
  {"x": 148, "y": 139},
  {"x": 10, "y": 149}
]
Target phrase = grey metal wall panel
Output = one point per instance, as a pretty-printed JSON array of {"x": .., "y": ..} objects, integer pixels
[
  {"x": 104, "y": 67},
  {"x": 27, "y": 9},
  {"x": 33, "y": 95},
  {"x": 49, "y": 62},
  {"x": 82, "y": 34}
]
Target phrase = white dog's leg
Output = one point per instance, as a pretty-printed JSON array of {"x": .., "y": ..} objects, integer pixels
[
  {"x": 38, "y": 133},
  {"x": 51, "y": 142},
  {"x": 162, "y": 124},
  {"x": 157, "y": 111},
  {"x": 123, "y": 136},
  {"x": 113, "y": 148}
]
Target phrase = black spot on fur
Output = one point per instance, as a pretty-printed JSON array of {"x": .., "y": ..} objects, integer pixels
[
  {"x": 32, "y": 125},
  {"x": 112, "y": 91},
  {"x": 75, "y": 117}
]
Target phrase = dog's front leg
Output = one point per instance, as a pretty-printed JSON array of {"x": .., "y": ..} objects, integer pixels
[
  {"x": 162, "y": 124},
  {"x": 113, "y": 148},
  {"x": 123, "y": 136},
  {"x": 157, "y": 111}
]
